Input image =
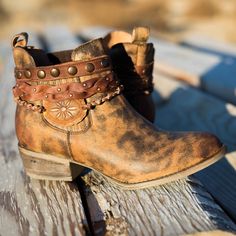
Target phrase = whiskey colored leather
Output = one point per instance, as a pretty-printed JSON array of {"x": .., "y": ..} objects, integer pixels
[
  {"x": 133, "y": 60},
  {"x": 112, "y": 138},
  {"x": 63, "y": 91},
  {"x": 135, "y": 151}
]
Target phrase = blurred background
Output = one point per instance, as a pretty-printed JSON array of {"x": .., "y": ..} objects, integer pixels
[{"x": 169, "y": 18}]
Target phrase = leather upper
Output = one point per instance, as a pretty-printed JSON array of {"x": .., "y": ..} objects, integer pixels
[{"x": 111, "y": 137}]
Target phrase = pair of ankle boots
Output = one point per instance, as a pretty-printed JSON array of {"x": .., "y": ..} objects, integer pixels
[{"x": 85, "y": 108}]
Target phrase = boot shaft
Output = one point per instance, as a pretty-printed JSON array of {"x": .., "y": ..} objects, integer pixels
[
  {"x": 133, "y": 59},
  {"x": 55, "y": 92}
]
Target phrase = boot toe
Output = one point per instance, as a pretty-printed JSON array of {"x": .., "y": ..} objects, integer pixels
[{"x": 207, "y": 146}]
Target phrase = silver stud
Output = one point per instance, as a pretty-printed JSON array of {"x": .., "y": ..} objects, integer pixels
[
  {"x": 107, "y": 79},
  {"x": 27, "y": 74},
  {"x": 46, "y": 96},
  {"x": 105, "y": 63},
  {"x": 89, "y": 67},
  {"x": 72, "y": 70},
  {"x": 34, "y": 89},
  {"x": 18, "y": 74},
  {"x": 98, "y": 89},
  {"x": 71, "y": 95},
  {"x": 55, "y": 72},
  {"x": 59, "y": 89},
  {"x": 84, "y": 84},
  {"x": 41, "y": 74}
]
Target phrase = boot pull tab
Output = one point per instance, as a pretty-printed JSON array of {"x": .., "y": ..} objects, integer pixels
[
  {"x": 20, "y": 40},
  {"x": 140, "y": 35}
]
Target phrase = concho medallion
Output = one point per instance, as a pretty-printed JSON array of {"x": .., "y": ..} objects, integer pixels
[{"x": 64, "y": 113}]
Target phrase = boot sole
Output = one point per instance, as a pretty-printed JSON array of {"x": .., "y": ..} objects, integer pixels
[{"x": 44, "y": 166}]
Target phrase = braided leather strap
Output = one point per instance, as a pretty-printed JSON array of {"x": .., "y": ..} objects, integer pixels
[{"x": 88, "y": 106}]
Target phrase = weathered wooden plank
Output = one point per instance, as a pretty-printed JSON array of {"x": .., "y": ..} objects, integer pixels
[
  {"x": 173, "y": 58},
  {"x": 212, "y": 233},
  {"x": 30, "y": 207},
  {"x": 173, "y": 209},
  {"x": 211, "y": 73},
  {"x": 185, "y": 108},
  {"x": 209, "y": 45},
  {"x": 219, "y": 80},
  {"x": 60, "y": 38},
  {"x": 94, "y": 32}
]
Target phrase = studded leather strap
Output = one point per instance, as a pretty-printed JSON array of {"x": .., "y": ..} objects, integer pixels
[{"x": 64, "y": 70}]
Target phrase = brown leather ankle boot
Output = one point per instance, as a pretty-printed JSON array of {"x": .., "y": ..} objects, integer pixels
[
  {"x": 70, "y": 115},
  {"x": 133, "y": 60}
]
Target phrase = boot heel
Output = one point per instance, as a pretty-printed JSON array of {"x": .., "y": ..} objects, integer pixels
[{"x": 42, "y": 166}]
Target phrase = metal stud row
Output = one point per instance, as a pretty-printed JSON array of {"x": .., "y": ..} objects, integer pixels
[{"x": 55, "y": 72}]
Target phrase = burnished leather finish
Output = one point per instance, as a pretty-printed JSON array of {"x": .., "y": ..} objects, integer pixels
[
  {"x": 35, "y": 133},
  {"x": 135, "y": 151},
  {"x": 111, "y": 138}
]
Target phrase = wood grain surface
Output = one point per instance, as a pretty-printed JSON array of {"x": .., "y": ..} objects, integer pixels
[
  {"x": 209, "y": 45},
  {"x": 173, "y": 209}
]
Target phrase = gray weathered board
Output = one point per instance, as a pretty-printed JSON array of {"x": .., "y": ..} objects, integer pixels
[
  {"x": 203, "y": 43},
  {"x": 45, "y": 207}
]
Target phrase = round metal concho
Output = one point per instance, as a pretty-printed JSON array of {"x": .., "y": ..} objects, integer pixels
[
  {"x": 72, "y": 70},
  {"x": 90, "y": 67},
  {"x": 64, "y": 113},
  {"x": 27, "y": 73},
  {"x": 18, "y": 74},
  {"x": 41, "y": 74},
  {"x": 105, "y": 63},
  {"x": 55, "y": 72}
]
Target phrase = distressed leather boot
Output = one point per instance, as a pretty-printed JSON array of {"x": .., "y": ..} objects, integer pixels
[
  {"x": 71, "y": 114},
  {"x": 133, "y": 60}
]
